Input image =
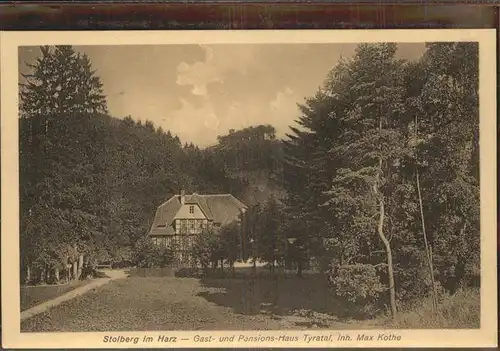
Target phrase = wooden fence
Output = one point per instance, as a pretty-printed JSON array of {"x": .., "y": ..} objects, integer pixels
[
  {"x": 237, "y": 273},
  {"x": 153, "y": 272}
]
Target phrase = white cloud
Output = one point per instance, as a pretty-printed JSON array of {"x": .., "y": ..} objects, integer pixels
[
  {"x": 282, "y": 110},
  {"x": 219, "y": 60},
  {"x": 199, "y": 74},
  {"x": 282, "y": 99}
]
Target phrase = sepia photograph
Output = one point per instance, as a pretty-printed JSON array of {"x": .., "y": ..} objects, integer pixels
[{"x": 252, "y": 192}]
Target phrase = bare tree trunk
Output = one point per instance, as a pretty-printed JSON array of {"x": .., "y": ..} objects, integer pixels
[
  {"x": 80, "y": 265},
  {"x": 28, "y": 274},
  {"x": 299, "y": 267},
  {"x": 390, "y": 270},
  {"x": 256, "y": 258},
  {"x": 75, "y": 270},
  {"x": 56, "y": 274},
  {"x": 75, "y": 262},
  {"x": 380, "y": 230},
  {"x": 428, "y": 252},
  {"x": 66, "y": 270},
  {"x": 43, "y": 274}
]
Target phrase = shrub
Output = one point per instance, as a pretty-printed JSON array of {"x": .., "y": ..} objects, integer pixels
[
  {"x": 146, "y": 254},
  {"x": 460, "y": 310},
  {"x": 358, "y": 284},
  {"x": 206, "y": 248}
]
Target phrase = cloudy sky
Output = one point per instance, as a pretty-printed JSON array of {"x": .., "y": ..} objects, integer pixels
[{"x": 200, "y": 92}]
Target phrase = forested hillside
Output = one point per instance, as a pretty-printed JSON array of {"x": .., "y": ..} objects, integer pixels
[
  {"x": 254, "y": 156},
  {"x": 94, "y": 181},
  {"x": 377, "y": 183}
]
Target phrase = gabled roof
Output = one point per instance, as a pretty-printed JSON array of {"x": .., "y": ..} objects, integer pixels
[
  {"x": 220, "y": 208},
  {"x": 201, "y": 201}
]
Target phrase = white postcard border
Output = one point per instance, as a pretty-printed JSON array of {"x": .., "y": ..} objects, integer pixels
[{"x": 12, "y": 337}]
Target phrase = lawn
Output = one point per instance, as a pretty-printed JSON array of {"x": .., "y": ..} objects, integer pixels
[
  {"x": 34, "y": 295},
  {"x": 281, "y": 295},
  {"x": 188, "y": 304},
  {"x": 172, "y": 303}
]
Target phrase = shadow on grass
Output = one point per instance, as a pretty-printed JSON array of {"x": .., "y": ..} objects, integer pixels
[
  {"x": 188, "y": 273},
  {"x": 282, "y": 295},
  {"x": 125, "y": 273},
  {"x": 101, "y": 274}
]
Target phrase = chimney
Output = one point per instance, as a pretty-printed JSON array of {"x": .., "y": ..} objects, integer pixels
[{"x": 183, "y": 197}]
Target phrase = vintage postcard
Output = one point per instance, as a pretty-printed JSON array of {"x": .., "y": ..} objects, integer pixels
[{"x": 249, "y": 189}]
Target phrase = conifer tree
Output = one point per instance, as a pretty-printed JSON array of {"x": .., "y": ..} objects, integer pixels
[
  {"x": 61, "y": 82},
  {"x": 371, "y": 147},
  {"x": 57, "y": 99}
]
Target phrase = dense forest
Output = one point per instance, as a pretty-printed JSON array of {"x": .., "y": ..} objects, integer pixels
[
  {"x": 386, "y": 168},
  {"x": 376, "y": 184}
]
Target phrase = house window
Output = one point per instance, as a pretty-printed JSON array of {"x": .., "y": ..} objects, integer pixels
[
  {"x": 191, "y": 209},
  {"x": 191, "y": 224},
  {"x": 174, "y": 242},
  {"x": 183, "y": 226}
]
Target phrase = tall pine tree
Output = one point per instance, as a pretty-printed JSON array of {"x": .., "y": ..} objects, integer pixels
[{"x": 58, "y": 98}]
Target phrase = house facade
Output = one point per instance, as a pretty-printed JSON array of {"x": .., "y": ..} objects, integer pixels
[{"x": 182, "y": 217}]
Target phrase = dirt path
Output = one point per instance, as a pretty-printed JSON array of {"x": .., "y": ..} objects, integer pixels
[{"x": 44, "y": 306}]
